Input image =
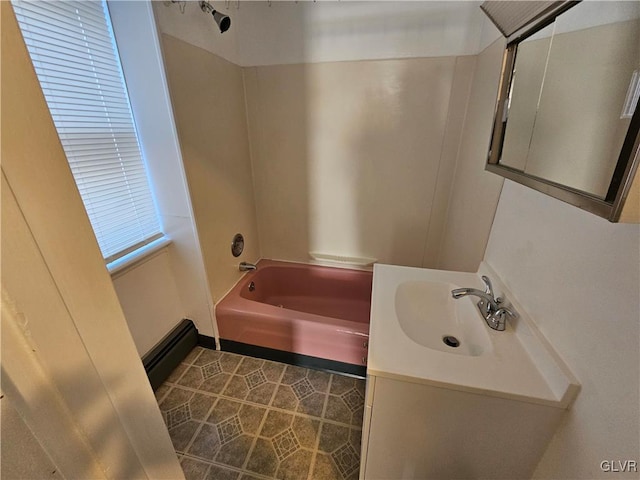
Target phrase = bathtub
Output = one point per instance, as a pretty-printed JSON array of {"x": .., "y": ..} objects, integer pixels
[{"x": 311, "y": 310}]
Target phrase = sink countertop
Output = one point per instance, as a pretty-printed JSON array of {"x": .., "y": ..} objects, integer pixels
[{"x": 521, "y": 366}]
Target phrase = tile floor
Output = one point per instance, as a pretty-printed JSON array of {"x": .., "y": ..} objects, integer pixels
[{"x": 233, "y": 417}]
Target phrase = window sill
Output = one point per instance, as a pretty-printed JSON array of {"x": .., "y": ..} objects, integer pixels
[{"x": 138, "y": 255}]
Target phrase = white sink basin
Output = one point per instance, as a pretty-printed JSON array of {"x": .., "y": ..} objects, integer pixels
[
  {"x": 429, "y": 316},
  {"x": 412, "y": 310}
]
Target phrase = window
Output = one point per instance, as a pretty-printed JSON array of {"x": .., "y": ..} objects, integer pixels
[{"x": 73, "y": 51}]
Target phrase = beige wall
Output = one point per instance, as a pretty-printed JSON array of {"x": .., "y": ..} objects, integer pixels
[
  {"x": 475, "y": 192},
  {"x": 578, "y": 277},
  {"x": 208, "y": 102},
  {"x": 347, "y": 155},
  {"x": 18, "y": 443},
  {"x": 149, "y": 298},
  {"x": 69, "y": 364}
]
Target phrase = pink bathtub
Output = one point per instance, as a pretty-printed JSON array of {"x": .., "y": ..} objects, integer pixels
[{"x": 317, "y": 311}]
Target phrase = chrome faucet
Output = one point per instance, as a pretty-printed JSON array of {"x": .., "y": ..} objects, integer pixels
[
  {"x": 245, "y": 267},
  {"x": 490, "y": 307}
]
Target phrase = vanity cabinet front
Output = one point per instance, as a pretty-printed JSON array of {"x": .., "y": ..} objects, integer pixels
[{"x": 419, "y": 431}]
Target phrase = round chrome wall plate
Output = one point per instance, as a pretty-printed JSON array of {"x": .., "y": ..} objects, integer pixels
[{"x": 237, "y": 246}]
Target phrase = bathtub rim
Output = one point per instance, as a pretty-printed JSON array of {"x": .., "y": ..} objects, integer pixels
[
  {"x": 234, "y": 305},
  {"x": 245, "y": 280},
  {"x": 295, "y": 262}
]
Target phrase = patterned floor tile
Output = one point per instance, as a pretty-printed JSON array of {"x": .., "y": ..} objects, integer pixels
[
  {"x": 191, "y": 378},
  {"x": 207, "y": 356},
  {"x": 324, "y": 468},
  {"x": 176, "y": 396},
  {"x": 263, "y": 458},
  {"x": 233, "y": 417},
  {"x": 234, "y": 453},
  {"x": 228, "y": 433},
  {"x": 345, "y": 403},
  {"x": 346, "y": 459},
  {"x": 342, "y": 444},
  {"x": 206, "y": 443},
  {"x": 182, "y": 434},
  {"x": 249, "y": 417},
  {"x": 194, "y": 469},
  {"x": 215, "y": 384},
  {"x": 217, "y": 472},
  {"x": 275, "y": 423},
  {"x": 161, "y": 392},
  {"x": 306, "y": 430},
  {"x": 200, "y": 405},
  {"x": 333, "y": 437},
  {"x": 248, "y": 365},
  {"x": 302, "y": 390},
  {"x": 296, "y": 466},
  {"x": 178, "y": 415},
  {"x": 285, "y": 445},
  {"x": 229, "y": 429},
  {"x": 254, "y": 380},
  {"x": 193, "y": 354},
  {"x": 177, "y": 373},
  {"x": 181, "y": 405},
  {"x": 210, "y": 371},
  {"x": 319, "y": 380}
]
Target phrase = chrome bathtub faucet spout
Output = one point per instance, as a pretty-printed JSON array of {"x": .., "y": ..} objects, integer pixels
[
  {"x": 245, "y": 266},
  {"x": 489, "y": 306}
]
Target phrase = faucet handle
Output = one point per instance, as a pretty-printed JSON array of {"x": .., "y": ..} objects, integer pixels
[
  {"x": 488, "y": 288},
  {"x": 503, "y": 311},
  {"x": 498, "y": 319}
]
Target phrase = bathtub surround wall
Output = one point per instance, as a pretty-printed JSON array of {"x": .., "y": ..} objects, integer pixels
[
  {"x": 474, "y": 192},
  {"x": 341, "y": 149},
  {"x": 578, "y": 276},
  {"x": 338, "y": 150},
  {"x": 208, "y": 102},
  {"x": 463, "y": 78}
]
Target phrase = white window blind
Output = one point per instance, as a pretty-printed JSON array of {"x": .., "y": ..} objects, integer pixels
[{"x": 72, "y": 48}]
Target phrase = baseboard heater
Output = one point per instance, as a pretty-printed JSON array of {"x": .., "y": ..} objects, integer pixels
[{"x": 167, "y": 355}]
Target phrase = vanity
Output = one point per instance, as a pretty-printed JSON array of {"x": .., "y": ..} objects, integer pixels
[{"x": 447, "y": 396}]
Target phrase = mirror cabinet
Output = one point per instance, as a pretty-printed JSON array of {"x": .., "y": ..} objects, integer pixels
[{"x": 567, "y": 121}]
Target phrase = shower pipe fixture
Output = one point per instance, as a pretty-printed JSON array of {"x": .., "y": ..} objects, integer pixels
[
  {"x": 182, "y": 4},
  {"x": 227, "y": 4},
  {"x": 223, "y": 21}
]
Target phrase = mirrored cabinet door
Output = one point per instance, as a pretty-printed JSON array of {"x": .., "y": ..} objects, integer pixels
[{"x": 567, "y": 118}]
